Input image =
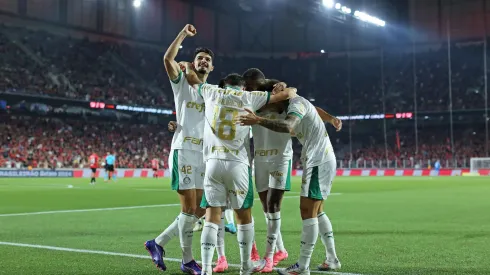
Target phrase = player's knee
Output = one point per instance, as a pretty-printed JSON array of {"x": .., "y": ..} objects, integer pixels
[
  {"x": 189, "y": 209},
  {"x": 243, "y": 216},
  {"x": 307, "y": 211},
  {"x": 213, "y": 215},
  {"x": 274, "y": 205}
]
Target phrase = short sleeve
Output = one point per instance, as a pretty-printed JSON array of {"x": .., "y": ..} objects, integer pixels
[
  {"x": 297, "y": 108},
  {"x": 258, "y": 99},
  {"x": 178, "y": 79}
]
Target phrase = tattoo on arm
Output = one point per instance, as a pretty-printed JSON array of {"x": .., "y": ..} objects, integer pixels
[{"x": 281, "y": 125}]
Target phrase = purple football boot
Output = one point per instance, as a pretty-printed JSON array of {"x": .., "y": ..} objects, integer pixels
[
  {"x": 157, "y": 253},
  {"x": 191, "y": 268}
]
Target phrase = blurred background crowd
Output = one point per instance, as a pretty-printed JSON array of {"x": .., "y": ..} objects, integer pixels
[{"x": 443, "y": 88}]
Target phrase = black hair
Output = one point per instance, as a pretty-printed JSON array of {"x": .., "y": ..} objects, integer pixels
[
  {"x": 221, "y": 83},
  {"x": 268, "y": 85},
  {"x": 234, "y": 80},
  {"x": 203, "y": 50},
  {"x": 253, "y": 74}
]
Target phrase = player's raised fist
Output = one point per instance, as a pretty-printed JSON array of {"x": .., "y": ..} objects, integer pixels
[
  {"x": 172, "y": 126},
  {"x": 189, "y": 30},
  {"x": 337, "y": 123}
]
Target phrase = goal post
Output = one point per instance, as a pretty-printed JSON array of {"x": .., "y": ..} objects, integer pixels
[{"x": 479, "y": 163}]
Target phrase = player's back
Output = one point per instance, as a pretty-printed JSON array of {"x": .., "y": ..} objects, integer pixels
[
  {"x": 311, "y": 132},
  {"x": 223, "y": 137},
  {"x": 189, "y": 108}
]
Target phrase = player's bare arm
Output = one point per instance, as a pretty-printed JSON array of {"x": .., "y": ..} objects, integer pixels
[
  {"x": 277, "y": 125},
  {"x": 337, "y": 123},
  {"x": 171, "y": 66},
  {"x": 191, "y": 75},
  {"x": 285, "y": 94}
]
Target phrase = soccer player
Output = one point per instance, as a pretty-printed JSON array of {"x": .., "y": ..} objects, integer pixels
[
  {"x": 273, "y": 155},
  {"x": 155, "y": 165},
  {"x": 186, "y": 158},
  {"x": 94, "y": 164},
  {"x": 228, "y": 175},
  {"x": 110, "y": 161},
  {"x": 304, "y": 122}
]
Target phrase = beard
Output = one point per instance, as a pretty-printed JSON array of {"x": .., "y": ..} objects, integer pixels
[{"x": 202, "y": 71}]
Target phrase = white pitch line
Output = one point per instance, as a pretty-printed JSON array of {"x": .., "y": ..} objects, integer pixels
[
  {"x": 107, "y": 209},
  {"x": 86, "y": 251},
  {"x": 87, "y": 210}
]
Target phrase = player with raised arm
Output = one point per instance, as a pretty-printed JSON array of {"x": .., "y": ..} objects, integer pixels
[
  {"x": 304, "y": 122},
  {"x": 186, "y": 159},
  {"x": 93, "y": 161},
  {"x": 228, "y": 176}
]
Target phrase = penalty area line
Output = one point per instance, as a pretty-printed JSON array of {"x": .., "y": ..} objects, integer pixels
[{"x": 87, "y": 251}]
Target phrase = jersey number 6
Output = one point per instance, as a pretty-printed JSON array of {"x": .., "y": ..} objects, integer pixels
[{"x": 225, "y": 117}]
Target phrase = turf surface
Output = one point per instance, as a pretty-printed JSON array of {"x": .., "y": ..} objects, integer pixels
[{"x": 381, "y": 225}]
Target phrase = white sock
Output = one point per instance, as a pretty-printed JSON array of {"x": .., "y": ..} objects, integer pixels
[
  {"x": 229, "y": 216},
  {"x": 209, "y": 238},
  {"x": 186, "y": 225},
  {"x": 308, "y": 240},
  {"x": 326, "y": 234},
  {"x": 220, "y": 246},
  {"x": 245, "y": 236},
  {"x": 279, "y": 243},
  {"x": 170, "y": 232},
  {"x": 273, "y": 228}
]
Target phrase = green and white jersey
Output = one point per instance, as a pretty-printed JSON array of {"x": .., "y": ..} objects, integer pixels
[
  {"x": 311, "y": 133},
  {"x": 189, "y": 107},
  {"x": 223, "y": 137},
  {"x": 271, "y": 146}
]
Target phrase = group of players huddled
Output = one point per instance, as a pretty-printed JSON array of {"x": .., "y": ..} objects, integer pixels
[{"x": 210, "y": 165}]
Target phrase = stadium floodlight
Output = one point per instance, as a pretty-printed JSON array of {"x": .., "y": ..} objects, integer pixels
[
  {"x": 328, "y": 3},
  {"x": 180, "y": 47},
  {"x": 137, "y": 3},
  {"x": 369, "y": 18},
  {"x": 322, "y": 51},
  {"x": 338, "y": 6},
  {"x": 346, "y": 10}
]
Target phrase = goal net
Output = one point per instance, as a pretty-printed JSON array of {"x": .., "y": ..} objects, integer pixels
[{"x": 479, "y": 163}]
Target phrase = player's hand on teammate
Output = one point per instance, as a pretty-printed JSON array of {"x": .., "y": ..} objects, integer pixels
[
  {"x": 249, "y": 119},
  {"x": 279, "y": 87},
  {"x": 337, "y": 123},
  {"x": 189, "y": 30},
  {"x": 186, "y": 66},
  {"x": 172, "y": 126}
]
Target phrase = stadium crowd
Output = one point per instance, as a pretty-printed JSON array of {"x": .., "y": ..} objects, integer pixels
[
  {"x": 41, "y": 63},
  {"x": 55, "y": 143}
]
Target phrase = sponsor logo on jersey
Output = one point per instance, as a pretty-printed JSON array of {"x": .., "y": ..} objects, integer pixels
[
  {"x": 229, "y": 102},
  {"x": 236, "y": 192},
  {"x": 194, "y": 105},
  {"x": 193, "y": 140},
  {"x": 266, "y": 153},
  {"x": 277, "y": 174},
  {"x": 300, "y": 135},
  {"x": 223, "y": 149}
]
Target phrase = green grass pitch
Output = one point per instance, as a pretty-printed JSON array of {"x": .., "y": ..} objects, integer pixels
[{"x": 382, "y": 225}]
